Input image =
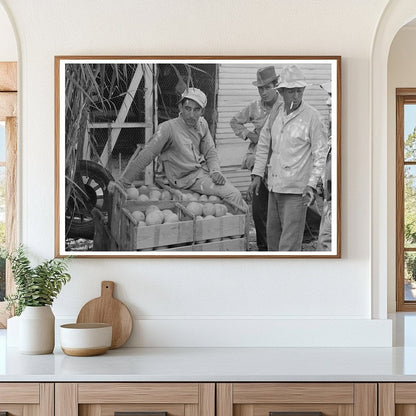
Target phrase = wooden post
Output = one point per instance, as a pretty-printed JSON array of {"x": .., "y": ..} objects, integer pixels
[
  {"x": 11, "y": 196},
  {"x": 148, "y": 106},
  {"x": 122, "y": 114}
]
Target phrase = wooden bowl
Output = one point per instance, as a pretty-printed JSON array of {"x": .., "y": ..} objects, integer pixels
[{"x": 84, "y": 340}]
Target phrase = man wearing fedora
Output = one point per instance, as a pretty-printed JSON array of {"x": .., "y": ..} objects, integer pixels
[
  {"x": 296, "y": 139},
  {"x": 187, "y": 152},
  {"x": 256, "y": 114}
]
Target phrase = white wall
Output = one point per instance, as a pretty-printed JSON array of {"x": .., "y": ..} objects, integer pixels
[
  {"x": 8, "y": 46},
  {"x": 212, "y": 302},
  {"x": 401, "y": 74}
]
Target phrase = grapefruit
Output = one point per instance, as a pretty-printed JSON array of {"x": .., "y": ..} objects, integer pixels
[
  {"x": 151, "y": 208},
  {"x": 208, "y": 209},
  {"x": 143, "y": 198},
  {"x": 166, "y": 196},
  {"x": 172, "y": 218},
  {"x": 195, "y": 207},
  {"x": 155, "y": 195},
  {"x": 138, "y": 215},
  {"x": 220, "y": 210},
  {"x": 214, "y": 198},
  {"x": 132, "y": 193},
  {"x": 154, "y": 217}
]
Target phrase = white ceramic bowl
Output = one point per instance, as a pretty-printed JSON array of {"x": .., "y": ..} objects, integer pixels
[{"x": 85, "y": 339}]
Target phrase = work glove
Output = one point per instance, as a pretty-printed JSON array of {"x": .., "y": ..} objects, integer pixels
[{"x": 218, "y": 178}]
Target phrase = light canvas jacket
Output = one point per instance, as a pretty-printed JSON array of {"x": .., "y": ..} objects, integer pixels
[
  {"x": 299, "y": 147},
  {"x": 185, "y": 152}
]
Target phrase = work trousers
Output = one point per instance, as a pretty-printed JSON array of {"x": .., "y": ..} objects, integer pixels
[
  {"x": 325, "y": 235},
  {"x": 260, "y": 206},
  {"x": 228, "y": 192},
  {"x": 286, "y": 218}
]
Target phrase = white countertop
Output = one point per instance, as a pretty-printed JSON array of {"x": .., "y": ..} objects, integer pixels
[
  {"x": 215, "y": 364},
  {"x": 222, "y": 364}
]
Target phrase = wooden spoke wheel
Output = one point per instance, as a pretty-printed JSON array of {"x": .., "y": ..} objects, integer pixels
[{"x": 89, "y": 191}]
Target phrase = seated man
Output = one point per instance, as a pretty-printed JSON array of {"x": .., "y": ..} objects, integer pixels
[{"x": 187, "y": 151}]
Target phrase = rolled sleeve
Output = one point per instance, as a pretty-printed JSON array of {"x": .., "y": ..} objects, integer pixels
[
  {"x": 208, "y": 149},
  {"x": 319, "y": 148},
  {"x": 238, "y": 121},
  {"x": 263, "y": 149},
  {"x": 143, "y": 157}
]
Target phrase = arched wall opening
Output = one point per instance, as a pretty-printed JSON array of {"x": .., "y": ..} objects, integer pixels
[
  {"x": 8, "y": 46},
  {"x": 396, "y": 15}
]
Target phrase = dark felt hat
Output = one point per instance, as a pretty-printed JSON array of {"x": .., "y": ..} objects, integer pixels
[{"x": 265, "y": 76}]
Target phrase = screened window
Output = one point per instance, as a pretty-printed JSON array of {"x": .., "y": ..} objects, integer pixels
[{"x": 406, "y": 199}]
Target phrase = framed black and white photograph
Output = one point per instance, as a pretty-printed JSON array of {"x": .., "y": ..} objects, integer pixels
[{"x": 198, "y": 156}]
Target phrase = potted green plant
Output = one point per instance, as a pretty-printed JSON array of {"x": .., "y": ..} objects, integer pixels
[{"x": 36, "y": 289}]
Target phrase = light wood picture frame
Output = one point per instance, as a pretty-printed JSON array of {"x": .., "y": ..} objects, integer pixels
[{"x": 109, "y": 108}]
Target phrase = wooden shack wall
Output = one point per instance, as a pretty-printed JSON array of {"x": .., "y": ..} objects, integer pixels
[{"x": 235, "y": 91}]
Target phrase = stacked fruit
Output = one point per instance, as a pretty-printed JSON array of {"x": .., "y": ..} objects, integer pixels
[
  {"x": 207, "y": 210},
  {"x": 153, "y": 215},
  {"x": 146, "y": 193}
]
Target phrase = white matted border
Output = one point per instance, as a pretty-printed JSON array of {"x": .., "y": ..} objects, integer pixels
[{"x": 335, "y": 70}]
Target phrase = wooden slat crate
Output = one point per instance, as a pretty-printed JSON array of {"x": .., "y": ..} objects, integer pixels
[
  {"x": 226, "y": 244},
  {"x": 227, "y": 233},
  {"x": 156, "y": 236}
]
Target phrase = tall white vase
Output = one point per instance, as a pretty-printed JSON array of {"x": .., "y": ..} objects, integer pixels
[{"x": 37, "y": 330}]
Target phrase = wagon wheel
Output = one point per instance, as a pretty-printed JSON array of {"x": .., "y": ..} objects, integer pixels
[{"x": 88, "y": 191}]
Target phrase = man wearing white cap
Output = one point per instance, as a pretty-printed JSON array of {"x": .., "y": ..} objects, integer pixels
[
  {"x": 256, "y": 114},
  {"x": 187, "y": 151},
  {"x": 325, "y": 233},
  {"x": 296, "y": 140}
]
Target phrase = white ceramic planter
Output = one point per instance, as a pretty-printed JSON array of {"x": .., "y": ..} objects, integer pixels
[
  {"x": 37, "y": 330},
  {"x": 12, "y": 334}
]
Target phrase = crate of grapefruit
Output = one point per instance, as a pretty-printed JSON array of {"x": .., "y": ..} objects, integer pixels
[{"x": 147, "y": 218}]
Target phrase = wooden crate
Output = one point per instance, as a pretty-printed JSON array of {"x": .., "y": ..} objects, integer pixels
[
  {"x": 228, "y": 233},
  {"x": 222, "y": 227},
  {"x": 225, "y": 244},
  {"x": 160, "y": 236}
]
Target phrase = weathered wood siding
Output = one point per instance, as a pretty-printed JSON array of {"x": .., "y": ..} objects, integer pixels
[{"x": 235, "y": 90}]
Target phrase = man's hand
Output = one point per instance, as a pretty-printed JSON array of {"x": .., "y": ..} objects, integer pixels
[
  {"x": 309, "y": 195},
  {"x": 253, "y": 137},
  {"x": 112, "y": 186},
  {"x": 254, "y": 187},
  {"x": 218, "y": 178}
]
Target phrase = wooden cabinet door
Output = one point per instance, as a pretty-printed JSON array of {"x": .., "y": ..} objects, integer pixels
[
  {"x": 143, "y": 399},
  {"x": 26, "y": 399},
  {"x": 397, "y": 399},
  {"x": 297, "y": 399}
]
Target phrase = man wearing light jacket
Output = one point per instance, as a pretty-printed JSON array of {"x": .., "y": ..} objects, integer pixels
[
  {"x": 297, "y": 159},
  {"x": 187, "y": 151},
  {"x": 256, "y": 113}
]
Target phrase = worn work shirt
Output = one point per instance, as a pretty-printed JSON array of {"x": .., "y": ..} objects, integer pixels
[
  {"x": 299, "y": 148},
  {"x": 255, "y": 113},
  {"x": 187, "y": 153}
]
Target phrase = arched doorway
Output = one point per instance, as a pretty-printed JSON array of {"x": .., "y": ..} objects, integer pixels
[
  {"x": 395, "y": 16},
  {"x": 8, "y": 150}
]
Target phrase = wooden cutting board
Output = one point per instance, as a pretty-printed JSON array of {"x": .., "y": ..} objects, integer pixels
[{"x": 109, "y": 310}]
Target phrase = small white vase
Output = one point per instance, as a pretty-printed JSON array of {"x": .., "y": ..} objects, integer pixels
[
  {"x": 12, "y": 334},
  {"x": 37, "y": 330}
]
